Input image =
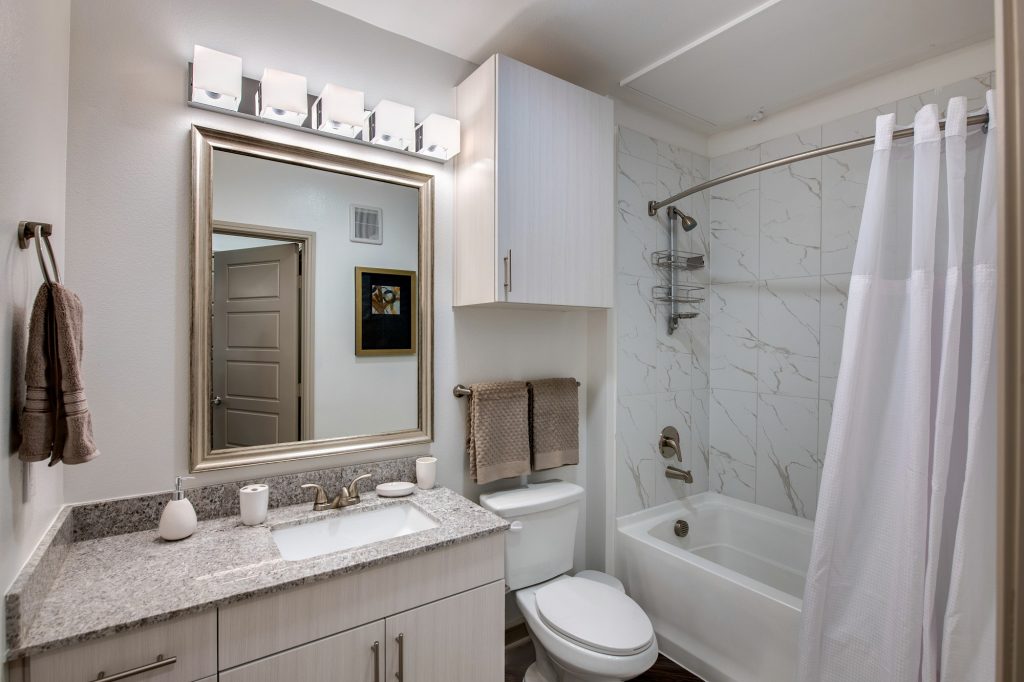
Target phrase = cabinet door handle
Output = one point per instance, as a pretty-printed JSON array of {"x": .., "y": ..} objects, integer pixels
[
  {"x": 376, "y": 661},
  {"x": 508, "y": 271},
  {"x": 160, "y": 662},
  {"x": 400, "y": 675}
]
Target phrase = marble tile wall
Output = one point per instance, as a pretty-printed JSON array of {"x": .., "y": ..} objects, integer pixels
[
  {"x": 781, "y": 251},
  {"x": 663, "y": 379}
]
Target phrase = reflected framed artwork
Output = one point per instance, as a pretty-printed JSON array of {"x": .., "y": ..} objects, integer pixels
[{"x": 385, "y": 312}]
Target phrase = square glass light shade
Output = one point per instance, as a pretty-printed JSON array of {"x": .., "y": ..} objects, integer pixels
[
  {"x": 282, "y": 97},
  {"x": 339, "y": 110},
  {"x": 438, "y": 136},
  {"x": 216, "y": 78},
  {"x": 392, "y": 125}
]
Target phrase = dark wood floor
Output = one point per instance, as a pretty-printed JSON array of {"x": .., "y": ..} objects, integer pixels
[{"x": 519, "y": 658}]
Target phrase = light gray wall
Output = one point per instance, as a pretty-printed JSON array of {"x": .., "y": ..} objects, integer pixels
[
  {"x": 34, "y": 78},
  {"x": 781, "y": 255},
  {"x": 352, "y": 395},
  {"x": 128, "y": 203}
]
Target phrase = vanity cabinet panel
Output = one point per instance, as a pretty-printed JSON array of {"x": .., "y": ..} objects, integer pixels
[
  {"x": 534, "y": 190},
  {"x": 348, "y": 656},
  {"x": 191, "y": 640},
  {"x": 266, "y": 625},
  {"x": 458, "y": 639}
]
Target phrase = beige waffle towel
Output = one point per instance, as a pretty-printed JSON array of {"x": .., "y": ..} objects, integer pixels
[
  {"x": 554, "y": 423},
  {"x": 498, "y": 431},
  {"x": 39, "y": 415},
  {"x": 55, "y": 423}
]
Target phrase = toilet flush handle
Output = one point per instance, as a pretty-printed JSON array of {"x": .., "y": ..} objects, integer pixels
[{"x": 515, "y": 527}]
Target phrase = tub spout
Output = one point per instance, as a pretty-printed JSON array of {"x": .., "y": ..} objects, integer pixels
[{"x": 675, "y": 473}]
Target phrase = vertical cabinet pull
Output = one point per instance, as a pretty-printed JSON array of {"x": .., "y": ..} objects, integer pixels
[
  {"x": 376, "y": 661},
  {"x": 508, "y": 271},
  {"x": 400, "y": 675}
]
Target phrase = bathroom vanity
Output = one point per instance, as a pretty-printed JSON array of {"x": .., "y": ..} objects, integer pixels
[{"x": 226, "y": 605}]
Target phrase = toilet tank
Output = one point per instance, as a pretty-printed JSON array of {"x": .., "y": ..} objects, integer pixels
[{"x": 540, "y": 544}]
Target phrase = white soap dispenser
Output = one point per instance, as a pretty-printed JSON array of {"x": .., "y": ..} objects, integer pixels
[{"x": 179, "y": 518}]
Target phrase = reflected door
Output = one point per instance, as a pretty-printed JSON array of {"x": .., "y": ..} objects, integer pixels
[{"x": 255, "y": 354}]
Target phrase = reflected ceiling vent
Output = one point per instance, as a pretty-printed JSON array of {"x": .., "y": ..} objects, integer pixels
[{"x": 367, "y": 225}]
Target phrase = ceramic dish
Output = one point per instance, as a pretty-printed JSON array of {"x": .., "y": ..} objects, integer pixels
[{"x": 395, "y": 489}]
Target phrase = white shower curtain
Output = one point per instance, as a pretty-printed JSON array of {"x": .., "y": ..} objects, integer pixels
[{"x": 901, "y": 582}]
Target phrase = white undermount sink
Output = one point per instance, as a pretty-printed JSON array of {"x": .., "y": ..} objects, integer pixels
[{"x": 345, "y": 531}]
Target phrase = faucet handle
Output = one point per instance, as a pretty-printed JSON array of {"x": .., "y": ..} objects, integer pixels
[
  {"x": 353, "y": 491},
  {"x": 320, "y": 502}
]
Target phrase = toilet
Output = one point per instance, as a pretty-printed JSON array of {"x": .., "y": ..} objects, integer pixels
[{"x": 584, "y": 628}]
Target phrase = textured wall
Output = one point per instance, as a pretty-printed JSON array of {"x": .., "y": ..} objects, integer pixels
[
  {"x": 782, "y": 245},
  {"x": 662, "y": 378}
]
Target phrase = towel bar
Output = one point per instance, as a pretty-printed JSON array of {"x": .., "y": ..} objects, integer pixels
[
  {"x": 29, "y": 229},
  {"x": 461, "y": 391}
]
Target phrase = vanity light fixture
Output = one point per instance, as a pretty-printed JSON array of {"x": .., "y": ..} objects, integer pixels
[
  {"x": 281, "y": 96},
  {"x": 216, "y": 78},
  {"x": 340, "y": 111},
  {"x": 391, "y": 124},
  {"x": 438, "y": 136},
  {"x": 216, "y": 83}
]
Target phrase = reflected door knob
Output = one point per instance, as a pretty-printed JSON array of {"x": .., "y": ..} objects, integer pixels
[{"x": 216, "y": 400}]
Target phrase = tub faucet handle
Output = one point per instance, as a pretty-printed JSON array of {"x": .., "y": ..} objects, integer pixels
[{"x": 668, "y": 443}]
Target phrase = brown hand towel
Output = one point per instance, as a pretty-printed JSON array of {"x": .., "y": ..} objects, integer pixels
[
  {"x": 39, "y": 415},
  {"x": 55, "y": 423},
  {"x": 554, "y": 423},
  {"x": 498, "y": 431},
  {"x": 74, "y": 427}
]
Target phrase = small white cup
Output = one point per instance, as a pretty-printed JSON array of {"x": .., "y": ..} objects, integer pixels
[
  {"x": 426, "y": 472},
  {"x": 253, "y": 500}
]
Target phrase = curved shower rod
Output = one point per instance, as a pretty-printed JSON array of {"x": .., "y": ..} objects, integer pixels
[{"x": 654, "y": 206}]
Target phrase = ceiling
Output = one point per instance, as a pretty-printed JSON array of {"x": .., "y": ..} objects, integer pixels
[{"x": 707, "y": 65}]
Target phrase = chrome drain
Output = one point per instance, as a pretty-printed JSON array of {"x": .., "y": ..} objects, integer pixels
[{"x": 681, "y": 529}]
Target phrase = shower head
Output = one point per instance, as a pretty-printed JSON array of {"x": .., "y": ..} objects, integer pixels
[{"x": 688, "y": 222}]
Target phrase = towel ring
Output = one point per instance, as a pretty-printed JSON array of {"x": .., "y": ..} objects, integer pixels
[{"x": 28, "y": 229}]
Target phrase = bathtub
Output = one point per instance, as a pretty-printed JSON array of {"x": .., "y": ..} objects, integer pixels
[{"x": 724, "y": 600}]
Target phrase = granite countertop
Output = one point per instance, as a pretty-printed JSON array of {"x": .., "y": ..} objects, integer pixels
[{"x": 120, "y": 582}]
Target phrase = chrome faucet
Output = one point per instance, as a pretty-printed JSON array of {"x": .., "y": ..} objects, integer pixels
[
  {"x": 677, "y": 474},
  {"x": 348, "y": 497}
]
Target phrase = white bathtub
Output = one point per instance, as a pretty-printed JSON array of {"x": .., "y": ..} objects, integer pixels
[{"x": 725, "y": 600}]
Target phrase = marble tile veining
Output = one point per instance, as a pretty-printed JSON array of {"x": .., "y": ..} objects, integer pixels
[
  {"x": 790, "y": 210},
  {"x": 118, "y": 582},
  {"x": 734, "y": 338},
  {"x": 787, "y": 454},
  {"x": 733, "y": 443},
  {"x": 789, "y": 336}
]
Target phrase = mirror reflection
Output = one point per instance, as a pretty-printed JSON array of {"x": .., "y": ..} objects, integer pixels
[{"x": 313, "y": 304}]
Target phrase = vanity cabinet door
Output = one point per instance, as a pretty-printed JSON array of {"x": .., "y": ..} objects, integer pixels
[
  {"x": 458, "y": 639},
  {"x": 351, "y": 656}
]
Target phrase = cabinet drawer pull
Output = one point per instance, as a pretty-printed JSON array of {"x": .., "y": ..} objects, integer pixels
[
  {"x": 160, "y": 662},
  {"x": 376, "y": 661},
  {"x": 508, "y": 271},
  {"x": 400, "y": 675}
]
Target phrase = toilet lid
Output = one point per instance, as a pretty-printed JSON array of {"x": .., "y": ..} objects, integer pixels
[{"x": 595, "y": 616}]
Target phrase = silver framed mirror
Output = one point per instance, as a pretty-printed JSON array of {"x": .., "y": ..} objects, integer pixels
[{"x": 312, "y": 318}]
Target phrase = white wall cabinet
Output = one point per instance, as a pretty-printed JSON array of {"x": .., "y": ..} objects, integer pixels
[{"x": 535, "y": 195}]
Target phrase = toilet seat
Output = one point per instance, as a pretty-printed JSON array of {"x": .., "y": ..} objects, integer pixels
[{"x": 595, "y": 616}]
